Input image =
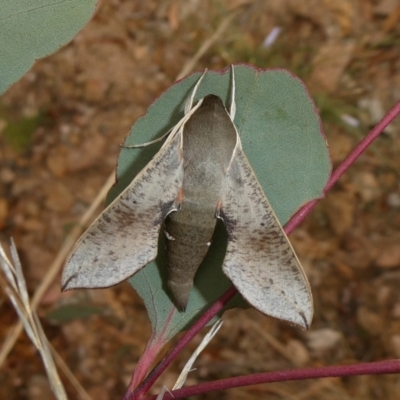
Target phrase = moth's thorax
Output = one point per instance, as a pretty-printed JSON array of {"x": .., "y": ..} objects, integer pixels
[{"x": 209, "y": 139}]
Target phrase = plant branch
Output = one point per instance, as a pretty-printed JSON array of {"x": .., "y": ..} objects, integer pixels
[
  {"x": 345, "y": 165},
  {"x": 373, "y": 368},
  {"x": 183, "y": 341}
]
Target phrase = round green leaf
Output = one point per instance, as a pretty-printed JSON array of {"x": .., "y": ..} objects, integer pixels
[
  {"x": 31, "y": 29},
  {"x": 282, "y": 137}
]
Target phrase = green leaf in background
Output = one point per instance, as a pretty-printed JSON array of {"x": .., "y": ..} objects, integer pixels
[
  {"x": 31, "y": 29},
  {"x": 282, "y": 137},
  {"x": 71, "y": 312}
]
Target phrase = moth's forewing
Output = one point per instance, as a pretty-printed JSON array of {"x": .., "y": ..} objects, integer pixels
[
  {"x": 124, "y": 237},
  {"x": 260, "y": 260}
]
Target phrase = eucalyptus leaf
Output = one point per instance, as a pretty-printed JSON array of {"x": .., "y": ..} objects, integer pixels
[
  {"x": 31, "y": 29},
  {"x": 282, "y": 137}
]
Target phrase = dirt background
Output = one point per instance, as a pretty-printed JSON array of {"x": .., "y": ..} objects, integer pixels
[{"x": 60, "y": 130}]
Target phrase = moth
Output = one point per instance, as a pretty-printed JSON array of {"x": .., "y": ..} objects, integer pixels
[{"x": 199, "y": 175}]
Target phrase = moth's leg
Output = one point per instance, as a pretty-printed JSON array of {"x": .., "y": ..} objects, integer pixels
[
  {"x": 189, "y": 102},
  {"x": 135, "y": 146},
  {"x": 232, "y": 111}
]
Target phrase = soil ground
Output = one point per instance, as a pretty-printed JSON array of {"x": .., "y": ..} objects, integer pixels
[{"x": 60, "y": 130}]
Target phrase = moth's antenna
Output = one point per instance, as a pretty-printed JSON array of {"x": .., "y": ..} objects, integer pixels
[
  {"x": 232, "y": 111},
  {"x": 189, "y": 103},
  {"x": 189, "y": 110},
  {"x": 136, "y": 146}
]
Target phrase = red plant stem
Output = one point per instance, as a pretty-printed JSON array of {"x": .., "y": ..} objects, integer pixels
[
  {"x": 224, "y": 299},
  {"x": 344, "y": 166},
  {"x": 373, "y": 368},
  {"x": 184, "y": 340}
]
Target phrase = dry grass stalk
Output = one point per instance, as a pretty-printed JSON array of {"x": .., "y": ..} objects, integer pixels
[
  {"x": 15, "y": 288},
  {"x": 188, "y": 366}
]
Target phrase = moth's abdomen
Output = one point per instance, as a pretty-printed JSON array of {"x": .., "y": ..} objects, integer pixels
[{"x": 187, "y": 245}]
